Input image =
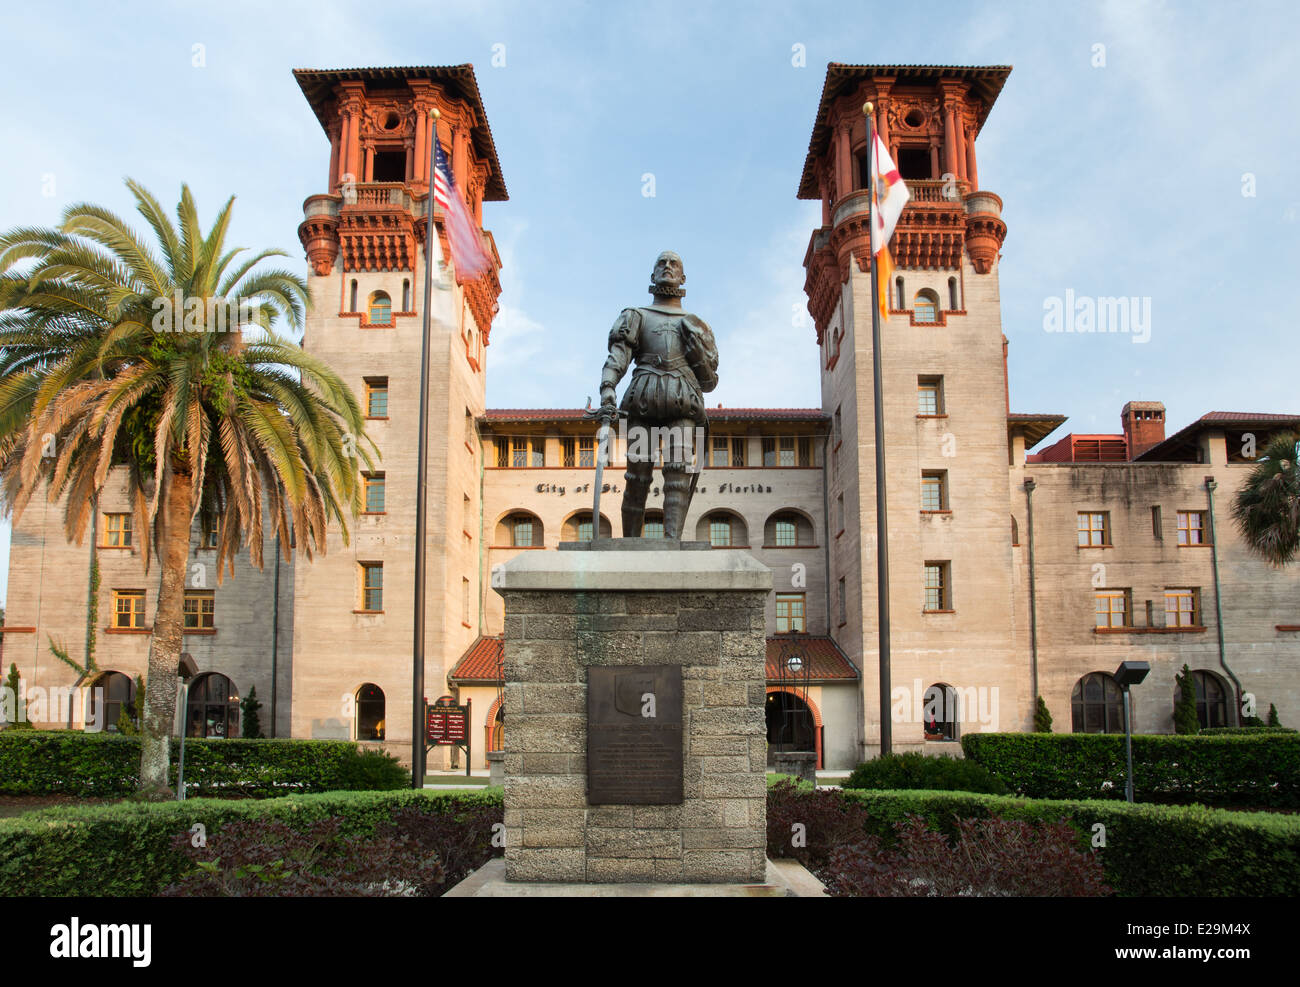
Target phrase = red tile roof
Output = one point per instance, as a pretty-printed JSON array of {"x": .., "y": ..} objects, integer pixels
[
  {"x": 715, "y": 414},
  {"x": 825, "y": 659},
  {"x": 481, "y": 663},
  {"x": 1177, "y": 444},
  {"x": 826, "y": 662}
]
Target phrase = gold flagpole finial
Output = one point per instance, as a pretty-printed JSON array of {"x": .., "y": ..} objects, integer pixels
[
  {"x": 435, "y": 113},
  {"x": 867, "y": 109}
]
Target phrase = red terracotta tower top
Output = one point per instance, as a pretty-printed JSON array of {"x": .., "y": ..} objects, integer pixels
[
  {"x": 928, "y": 116},
  {"x": 1144, "y": 426},
  {"x": 372, "y": 218}
]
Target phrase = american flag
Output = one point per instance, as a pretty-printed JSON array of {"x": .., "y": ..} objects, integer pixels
[{"x": 468, "y": 257}]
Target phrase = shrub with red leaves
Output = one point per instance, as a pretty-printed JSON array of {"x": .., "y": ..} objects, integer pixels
[
  {"x": 808, "y": 826},
  {"x": 991, "y": 858}
]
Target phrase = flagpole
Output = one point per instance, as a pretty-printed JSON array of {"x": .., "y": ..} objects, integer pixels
[
  {"x": 421, "y": 489},
  {"x": 882, "y": 519}
]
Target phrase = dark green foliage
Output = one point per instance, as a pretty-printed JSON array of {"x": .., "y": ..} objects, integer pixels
[
  {"x": 46, "y": 762},
  {"x": 1160, "y": 850},
  {"x": 19, "y": 720},
  {"x": 1244, "y": 731},
  {"x": 251, "y": 724},
  {"x": 1260, "y": 769},
  {"x": 1267, "y": 506},
  {"x": 919, "y": 771},
  {"x": 1042, "y": 717},
  {"x": 1273, "y": 720},
  {"x": 129, "y": 849},
  {"x": 1185, "y": 720}
]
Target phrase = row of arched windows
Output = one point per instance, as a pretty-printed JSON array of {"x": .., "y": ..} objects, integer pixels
[
  {"x": 212, "y": 704},
  {"x": 925, "y": 303},
  {"x": 721, "y": 528}
]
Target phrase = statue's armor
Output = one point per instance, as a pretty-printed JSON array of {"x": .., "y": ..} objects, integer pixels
[{"x": 665, "y": 385}]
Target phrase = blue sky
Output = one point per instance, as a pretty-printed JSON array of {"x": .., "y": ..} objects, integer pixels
[{"x": 1120, "y": 179}]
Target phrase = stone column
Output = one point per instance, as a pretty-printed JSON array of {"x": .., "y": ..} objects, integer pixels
[{"x": 590, "y": 636}]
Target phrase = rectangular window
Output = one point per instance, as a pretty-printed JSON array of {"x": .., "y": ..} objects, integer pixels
[
  {"x": 787, "y": 533},
  {"x": 464, "y": 605},
  {"x": 372, "y": 587},
  {"x": 539, "y": 452},
  {"x": 934, "y": 490},
  {"x": 503, "y": 452},
  {"x": 721, "y": 451},
  {"x": 738, "y": 451},
  {"x": 787, "y": 451},
  {"x": 844, "y": 602},
  {"x": 839, "y": 501},
  {"x": 929, "y": 396},
  {"x": 568, "y": 446},
  {"x": 1094, "y": 529},
  {"x": 374, "y": 486},
  {"x": 839, "y": 435},
  {"x": 789, "y": 613},
  {"x": 805, "y": 451},
  {"x": 211, "y": 540},
  {"x": 720, "y": 533},
  {"x": 466, "y": 507},
  {"x": 1191, "y": 528},
  {"x": 586, "y": 451},
  {"x": 1155, "y": 524},
  {"x": 937, "y": 591},
  {"x": 518, "y": 452},
  {"x": 376, "y": 397},
  {"x": 128, "y": 608},
  {"x": 117, "y": 530},
  {"x": 1182, "y": 607},
  {"x": 769, "y": 451},
  {"x": 200, "y": 611},
  {"x": 1112, "y": 608}
]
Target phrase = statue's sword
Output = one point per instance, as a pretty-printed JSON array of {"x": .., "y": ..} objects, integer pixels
[{"x": 602, "y": 457}]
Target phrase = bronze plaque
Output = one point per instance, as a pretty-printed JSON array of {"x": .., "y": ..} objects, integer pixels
[{"x": 634, "y": 735}]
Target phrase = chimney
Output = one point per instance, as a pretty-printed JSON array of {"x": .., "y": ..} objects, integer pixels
[{"x": 1144, "y": 426}]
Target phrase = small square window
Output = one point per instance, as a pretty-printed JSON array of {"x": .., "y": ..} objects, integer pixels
[
  {"x": 934, "y": 491},
  {"x": 374, "y": 489},
  {"x": 128, "y": 609},
  {"x": 1111, "y": 608},
  {"x": 929, "y": 396},
  {"x": 790, "y": 613},
  {"x": 1094, "y": 529},
  {"x": 376, "y": 397},
  {"x": 200, "y": 611},
  {"x": 1191, "y": 528},
  {"x": 372, "y": 586},
  {"x": 938, "y": 594},
  {"x": 1182, "y": 607},
  {"x": 117, "y": 531}
]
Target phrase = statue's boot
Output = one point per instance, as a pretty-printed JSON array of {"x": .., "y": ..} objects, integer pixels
[
  {"x": 634, "y": 496},
  {"x": 677, "y": 498}
]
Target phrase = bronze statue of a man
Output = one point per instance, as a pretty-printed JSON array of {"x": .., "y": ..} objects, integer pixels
[{"x": 676, "y": 363}]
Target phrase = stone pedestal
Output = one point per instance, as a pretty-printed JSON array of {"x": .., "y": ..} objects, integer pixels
[
  {"x": 496, "y": 762},
  {"x": 801, "y": 765},
  {"x": 633, "y": 613}
]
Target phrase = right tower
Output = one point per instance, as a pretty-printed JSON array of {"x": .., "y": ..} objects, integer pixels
[{"x": 952, "y": 594}]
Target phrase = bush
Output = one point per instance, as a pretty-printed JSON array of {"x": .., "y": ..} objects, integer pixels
[
  {"x": 1244, "y": 731},
  {"x": 1259, "y": 770},
  {"x": 1185, "y": 719},
  {"x": 919, "y": 771},
  {"x": 1157, "y": 850},
  {"x": 1042, "y": 717},
  {"x": 47, "y": 762},
  {"x": 130, "y": 849},
  {"x": 989, "y": 858}
]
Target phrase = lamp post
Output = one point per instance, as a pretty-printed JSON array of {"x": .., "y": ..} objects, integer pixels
[
  {"x": 1128, "y": 674},
  {"x": 185, "y": 670}
]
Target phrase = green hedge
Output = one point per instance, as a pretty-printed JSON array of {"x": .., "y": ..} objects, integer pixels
[
  {"x": 66, "y": 762},
  {"x": 1155, "y": 850},
  {"x": 1261, "y": 771},
  {"x": 125, "y": 849},
  {"x": 1247, "y": 731}
]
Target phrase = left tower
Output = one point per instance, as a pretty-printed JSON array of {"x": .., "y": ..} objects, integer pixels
[{"x": 365, "y": 243}]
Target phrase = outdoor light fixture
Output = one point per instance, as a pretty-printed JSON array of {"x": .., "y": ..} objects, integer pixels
[{"x": 1129, "y": 673}]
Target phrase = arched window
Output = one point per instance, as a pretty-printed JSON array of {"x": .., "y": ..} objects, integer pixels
[
  {"x": 653, "y": 526},
  {"x": 380, "y": 310},
  {"x": 369, "y": 723},
  {"x": 497, "y": 730},
  {"x": 791, "y": 725},
  {"x": 898, "y": 286},
  {"x": 112, "y": 693},
  {"x": 578, "y": 527},
  {"x": 925, "y": 306},
  {"x": 940, "y": 712},
  {"x": 1096, "y": 704},
  {"x": 953, "y": 303},
  {"x": 787, "y": 529},
  {"x": 721, "y": 530},
  {"x": 1211, "y": 700},
  {"x": 212, "y": 707},
  {"x": 352, "y": 297}
]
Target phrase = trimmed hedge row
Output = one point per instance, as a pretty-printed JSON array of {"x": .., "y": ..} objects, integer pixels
[
  {"x": 66, "y": 762},
  {"x": 1247, "y": 731},
  {"x": 126, "y": 849},
  {"x": 1157, "y": 850},
  {"x": 1251, "y": 770}
]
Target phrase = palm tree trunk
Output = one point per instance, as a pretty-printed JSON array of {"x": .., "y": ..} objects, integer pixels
[{"x": 168, "y": 634}]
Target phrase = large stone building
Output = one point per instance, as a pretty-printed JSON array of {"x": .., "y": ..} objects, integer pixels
[{"x": 1012, "y": 574}]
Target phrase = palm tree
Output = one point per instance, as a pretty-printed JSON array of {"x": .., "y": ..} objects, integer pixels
[
  {"x": 1267, "y": 507},
  {"x": 165, "y": 360}
]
